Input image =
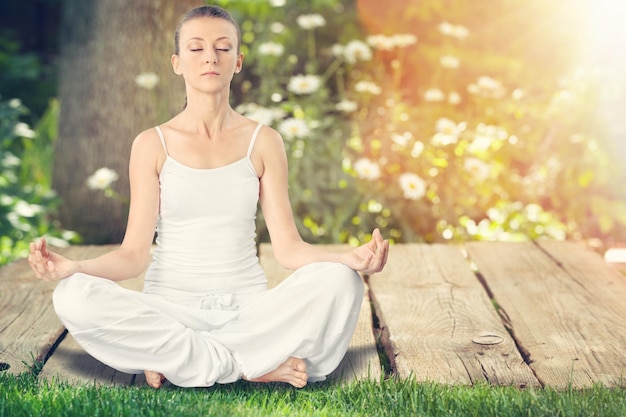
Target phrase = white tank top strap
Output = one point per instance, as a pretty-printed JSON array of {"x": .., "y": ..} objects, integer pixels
[
  {"x": 158, "y": 129},
  {"x": 254, "y": 135}
]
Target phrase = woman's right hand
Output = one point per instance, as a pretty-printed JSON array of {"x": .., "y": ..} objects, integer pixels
[{"x": 47, "y": 265}]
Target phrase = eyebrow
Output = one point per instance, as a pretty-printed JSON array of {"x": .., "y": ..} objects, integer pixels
[{"x": 198, "y": 38}]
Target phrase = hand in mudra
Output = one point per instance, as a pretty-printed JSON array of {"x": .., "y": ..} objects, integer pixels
[
  {"x": 370, "y": 257},
  {"x": 47, "y": 265}
]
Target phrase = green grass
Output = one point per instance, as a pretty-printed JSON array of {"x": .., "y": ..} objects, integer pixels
[{"x": 24, "y": 395}]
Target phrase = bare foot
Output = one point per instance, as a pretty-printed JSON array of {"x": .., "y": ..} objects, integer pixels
[
  {"x": 292, "y": 371},
  {"x": 154, "y": 379}
]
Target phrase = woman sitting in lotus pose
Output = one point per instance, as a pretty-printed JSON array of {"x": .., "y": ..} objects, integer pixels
[{"x": 205, "y": 315}]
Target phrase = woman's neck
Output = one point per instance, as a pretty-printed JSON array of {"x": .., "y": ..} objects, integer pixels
[{"x": 208, "y": 114}]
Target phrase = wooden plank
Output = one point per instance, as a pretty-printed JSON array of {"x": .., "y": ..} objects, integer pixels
[
  {"x": 361, "y": 360},
  {"x": 590, "y": 271},
  {"x": 29, "y": 326},
  {"x": 565, "y": 306},
  {"x": 72, "y": 364},
  {"x": 442, "y": 324}
]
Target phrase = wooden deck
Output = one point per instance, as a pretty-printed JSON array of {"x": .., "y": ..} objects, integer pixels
[{"x": 522, "y": 314}]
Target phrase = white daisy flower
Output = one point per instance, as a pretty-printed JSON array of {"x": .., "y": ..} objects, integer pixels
[
  {"x": 367, "y": 87},
  {"x": 304, "y": 84},
  {"x": 147, "y": 80},
  {"x": 487, "y": 87},
  {"x": 277, "y": 27},
  {"x": 337, "y": 49},
  {"x": 417, "y": 150},
  {"x": 443, "y": 139},
  {"x": 445, "y": 125},
  {"x": 294, "y": 128},
  {"x": 25, "y": 209},
  {"x": 367, "y": 169},
  {"x": 434, "y": 94},
  {"x": 357, "y": 51},
  {"x": 447, "y": 132},
  {"x": 271, "y": 48},
  {"x": 381, "y": 42},
  {"x": 401, "y": 139},
  {"x": 23, "y": 130},
  {"x": 404, "y": 40},
  {"x": 262, "y": 115},
  {"x": 412, "y": 186},
  {"x": 454, "y": 31},
  {"x": 102, "y": 179},
  {"x": 15, "y": 103},
  {"x": 449, "y": 61},
  {"x": 477, "y": 168},
  {"x": 454, "y": 98},
  {"x": 346, "y": 106},
  {"x": 310, "y": 21}
]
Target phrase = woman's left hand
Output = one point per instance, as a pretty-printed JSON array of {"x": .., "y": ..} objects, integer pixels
[{"x": 370, "y": 257}]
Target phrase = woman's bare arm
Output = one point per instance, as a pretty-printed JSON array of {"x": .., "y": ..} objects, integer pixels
[
  {"x": 133, "y": 255},
  {"x": 289, "y": 248}
]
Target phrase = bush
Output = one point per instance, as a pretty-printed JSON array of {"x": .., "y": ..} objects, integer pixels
[
  {"x": 422, "y": 124},
  {"x": 27, "y": 204}
]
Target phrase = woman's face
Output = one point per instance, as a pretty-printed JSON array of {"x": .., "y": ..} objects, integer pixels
[{"x": 208, "y": 53}]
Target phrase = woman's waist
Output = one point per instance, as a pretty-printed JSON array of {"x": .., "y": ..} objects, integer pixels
[
  {"x": 202, "y": 300},
  {"x": 205, "y": 255},
  {"x": 225, "y": 279}
]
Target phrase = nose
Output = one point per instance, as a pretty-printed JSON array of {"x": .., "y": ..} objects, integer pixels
[{"x": 211, "y": 56}]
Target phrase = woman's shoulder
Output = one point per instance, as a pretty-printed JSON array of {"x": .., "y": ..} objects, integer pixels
[
  {"x": 147, "y": 139},
  {"x": 266, "y": 133},
  {"x": 269, "y": 141},
  {"x": 148, "y": 150}
]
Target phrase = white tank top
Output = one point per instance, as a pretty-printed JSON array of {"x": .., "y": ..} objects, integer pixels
[{"x": 206, "y": 230}]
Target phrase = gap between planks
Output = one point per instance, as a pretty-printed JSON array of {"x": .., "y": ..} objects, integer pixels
[
  {"x": 441, "y": 323},
  {"x": 565, "y": 306}
]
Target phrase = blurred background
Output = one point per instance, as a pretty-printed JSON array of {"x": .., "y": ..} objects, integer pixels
[{"x": 434, "y": 120}]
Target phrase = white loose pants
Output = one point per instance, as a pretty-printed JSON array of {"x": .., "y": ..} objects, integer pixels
[{"x": 311, "y": 315}]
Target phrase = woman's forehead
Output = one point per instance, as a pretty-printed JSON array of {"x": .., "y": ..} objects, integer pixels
[{"x": 208, "y": 28}]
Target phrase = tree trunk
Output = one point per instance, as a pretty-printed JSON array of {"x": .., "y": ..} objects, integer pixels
[{"x": 104, "y": 46}]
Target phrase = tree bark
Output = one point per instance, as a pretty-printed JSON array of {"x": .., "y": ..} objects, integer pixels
[{"x": 104, "y": 46}]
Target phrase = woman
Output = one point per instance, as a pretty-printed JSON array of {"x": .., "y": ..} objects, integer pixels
[{"x": 205, "y": 315}]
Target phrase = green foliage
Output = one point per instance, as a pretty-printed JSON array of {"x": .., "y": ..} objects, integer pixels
[
  {"x": 457, "y": 133},
  {"x": 24, "y": 396},
  {"x": 27, "y": 203},
  {"x": 24, "y": 75},
  {"x": 293, "y": 82},
  {"x": 502, "y": 148}
]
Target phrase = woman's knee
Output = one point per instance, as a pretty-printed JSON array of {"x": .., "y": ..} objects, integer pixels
[
  {"x": 342, "y": 280},
  {"x": 73, "y": 299}
]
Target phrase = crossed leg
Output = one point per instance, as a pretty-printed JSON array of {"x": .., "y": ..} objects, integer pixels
[
  {"x": 292, "y": 371},
  {"x": 154, "y": 379}
]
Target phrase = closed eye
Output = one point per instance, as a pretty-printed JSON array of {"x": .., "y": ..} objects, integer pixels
[{"x": 196, "y": 49}]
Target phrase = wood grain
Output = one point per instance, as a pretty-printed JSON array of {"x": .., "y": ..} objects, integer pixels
[
  {"x": 72, "y": 364},
  {"x": 442, "y": 324},
  {"x": 566, "y": 308},
  {"x": 29, "y": 326}
]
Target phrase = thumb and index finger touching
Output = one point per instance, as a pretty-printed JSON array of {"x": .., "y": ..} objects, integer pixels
[
  {"x": 379, "y": 248},
  {"x": 40, "y": 258}
]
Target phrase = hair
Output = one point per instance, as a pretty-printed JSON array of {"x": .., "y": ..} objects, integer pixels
[{"x": 205, "y": 11}]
